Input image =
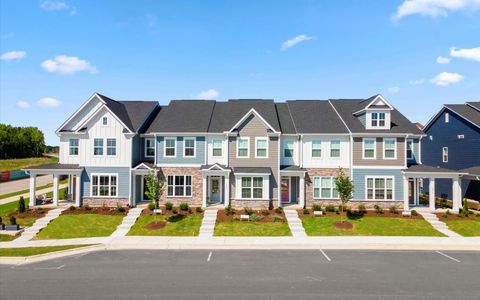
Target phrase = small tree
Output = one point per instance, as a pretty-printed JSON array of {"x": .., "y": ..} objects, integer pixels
[
  {"x": 465, "y": 212},
  {"x": 21, "y": 205},
  {"x": 154, "y": 188},
  {"x": 344, "y": 188}
]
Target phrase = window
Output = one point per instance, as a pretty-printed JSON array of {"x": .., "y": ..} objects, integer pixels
[
  {"x": 378, "y": 119},
  {"x": 97, "y": 147},
  {"x": 252, "y": 187},
  {"x": 389, "y": 148},
  {"x": 374, "y": 119},
  {"x": 261, "y": 147},
  {"x": 445, "y": 154},
  {"x": 335, "y": 148},
  {"x": 105, "y": 121},
  {"x": 379, "y": 188},
  {"x": 104, "y": 185},
  {"x": 316, "y": 149},
  {"x": 447, "y": 117},
  {"x": 112, "y": 147},
  {"x": 189, "y": 147},
  {"x": 170, "y": 144},
  {"x": 243, "y": 147},
  {"x": 409, "y": 149},
  {"x": 217, "y": 147},
  {"x": 461, "y": 136},
  {"x": 288, "y": 151},
  {"x": 179, "y": 186},
  {"x": 369, "y": 148},
  {"x": 149, "y": 147},
  {"x": 73, "y": 146},
  {"x": 324, "y": 187}
]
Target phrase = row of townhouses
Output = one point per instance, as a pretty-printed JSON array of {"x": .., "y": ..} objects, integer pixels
[{"x": 255, "y": 153}]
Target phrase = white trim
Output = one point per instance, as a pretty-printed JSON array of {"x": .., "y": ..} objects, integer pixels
[
  {"x": 78, "y": 111},
  {"x": 248, "y": 146},
  {"x": 103, "y": 147},
  {"x": 429, "y": 123},
  {"x": 311, "y": 150},
  {"x": 385, "y": 188},
  {"x": 145, "y": 147},
  {"x": 220, "y": 186},
  {"x": 266, "y": 139},
  {"x": 252, "y": 111},
  {"x": 221, "y": 146},
  {"x": 394, "y": 149},
  {"x": 173, "y": 165},
  {"x": 374, "y": 148},
  {"x": 265, "y": 186},
  {"x": 252, "y": 174},
  {"x": 443, "y": 154},
  {"x": 109, "y": 184},
  {"x": 447, "y": 117},
  {"x": 95, "y": 114},
  {"x": 70, "y": 146},
  {"x": 165, "y": 147},
  {"x": 104, "y": 117},
  {"x": 106, "y": 146},
  {"x": 374, "y": 100},
  {"x": 142, "y": 164},
  {"x": 406, "y": 149},
  {"x": 194, "y": 139},
  {"x": 332, "y": 185},
  {"x": 379, "y": 167},
  {"x": 218, "y": 166},
  {"x": 339, "y": 149}
]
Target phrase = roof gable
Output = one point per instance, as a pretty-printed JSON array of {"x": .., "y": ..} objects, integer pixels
[
  {"x": 246, "y": 116},
  {"x": 464, "y": 111}
]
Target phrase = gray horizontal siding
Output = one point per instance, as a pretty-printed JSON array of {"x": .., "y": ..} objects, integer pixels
[
  {"x": 379, "y": 161},
  {"x": 179, "y": 159},
  {"x": 123, "y": 179},
  {"x": 359, "y": 179}
]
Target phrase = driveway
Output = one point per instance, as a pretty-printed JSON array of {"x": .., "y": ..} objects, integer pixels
[{"x": 23, "y": 184}]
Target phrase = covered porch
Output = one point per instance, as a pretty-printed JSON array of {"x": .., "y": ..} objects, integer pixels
[
  {"x": 292, "y": 186},
  {"x": 74, "y": 173},
  {"x": 215, "y": 185},
  {"x": 139, "y": 186}
]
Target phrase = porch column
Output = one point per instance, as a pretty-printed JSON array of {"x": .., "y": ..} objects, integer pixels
[
  {"x": 55, "y": 189},
  {"x": 69, "y": 188},
  {"x": 204, "y": 191},
  {"x": 406, "y": 205},
  {"x": 456, "y": 194},
  {"x": 134, "y": 190},
  {"x": 302, "y": 191},
  {"x": 227, "y": 190},
  {"x": 33, "y": 179},
  {"x": 78, "y": 179},
  {"x": 431, "y": 191}
]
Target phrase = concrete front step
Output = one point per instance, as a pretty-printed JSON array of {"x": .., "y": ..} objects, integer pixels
[{"x": 208, "y": 223}]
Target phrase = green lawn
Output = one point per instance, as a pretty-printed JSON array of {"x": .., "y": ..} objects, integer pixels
[
  {"x": 377, "y": 226},
  {"x": 467, "y": 227},
  {"x": 78, "y": 226},
  {"x": 188, "y": 226},
  {"x": 35, "y": 250},
  {"x": 237, "y": 228},
  {"x": 20, "y": 163},
  {"x": 6, "y": 237},
  {"x": 3, "y": 196}
]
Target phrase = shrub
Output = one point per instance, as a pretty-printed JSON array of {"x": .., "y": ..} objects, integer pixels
[
  {"x": 21, "y": 205},
  {"x": 255, "y": 218},
  {"x": 168, "y": 205},
  {"x": 330, "y": 208},
  {"x": 174, "y": 210},
  {"x": 465, "y": 212},
  {"x": 87, "y": 207},
  {"x": 151, "y": 206},
  {"x": 279, "y": 210},
  {"x": 337, "y": 211},
  {"x": 393, "y": 209},
  {"x": 40, "y": 210},
  {"x": 248, "y": 211},
  {"x": 362, "y": 209},
  {"x": 120, "y": 208},
  {"x": 198, "y": 209},
  {"x": 236, "y": 218},
  {"x": 447, "y": 212},
  {"x": 378, "y": 209},
  {"x": 305, "y": 211},
  {"x": 184, "y": 206},
  {"x": 342, "y": 206},
  {"x": 189, "y": 210},
  {"x": 414, "y": 213},
  {"x": 265, "y": 212},
  {"x": 316, "y": 207},
  {"x": 445, "y": 215},
  {"x": 13, "y": 220},
  {"x": 276, "y": 218},
  {"x": 1, "y": 220},
  {"x": 229, "y": 210},
  {"x": 71, "y": 208}
]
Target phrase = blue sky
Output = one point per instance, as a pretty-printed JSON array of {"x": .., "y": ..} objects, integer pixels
[{"x": 418, "y": 54}]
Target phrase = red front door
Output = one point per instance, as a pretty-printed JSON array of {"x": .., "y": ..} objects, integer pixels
[{"x": 285, "y": 190}]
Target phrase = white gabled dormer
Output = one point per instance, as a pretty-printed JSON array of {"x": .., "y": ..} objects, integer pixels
[{"x": 377, "y": 113}]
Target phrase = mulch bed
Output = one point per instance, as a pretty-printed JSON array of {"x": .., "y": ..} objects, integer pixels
[
  {"x": 167, "y": 213},
  {"x": 343, "y": 225},
  {"x": 369, "y": 213},
  {"x": 441, "y": 216},
  {"x": 223, "y": 217},
  {"x": 96, "y": 210},
  {"x": 156, "y": 225},
  {"x": 36, "y": 213}
]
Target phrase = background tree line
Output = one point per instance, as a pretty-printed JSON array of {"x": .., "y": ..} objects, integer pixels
[{"x": 20, "y": 142}]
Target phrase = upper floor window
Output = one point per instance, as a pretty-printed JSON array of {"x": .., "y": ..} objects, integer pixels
[
  {"x": 445, "y": 154},
  {"x": 105, "y": 121},
  {"x": 149, "y": 147},
  {"x": 288, "y": 151},
  {"x": 179, "y": 186},
  {"x": 378, "y": 119},
  {"x": 73, "y": 146},
  {"x": 409, "y": 149},
  {"x": 316, "y": 149},
  {"x": 97, "y": 147},
  {"x": 447, "y": 117},
  {"x": 335, "y": 148},
  {"x": 390, "y": 148},
  {"x": 217, "y": 147},
  {"x": 261, "y": 147},
  {"x": 379, "y": 188},
  {"x": 170, "y": 144},
  {"x": 369, "y": 148},
  {"x": 104, "y": 185},
  {"x": 189, "y": 147},
  {"x": 112, "y": 147},
  {"x": 243, "y": 147}
]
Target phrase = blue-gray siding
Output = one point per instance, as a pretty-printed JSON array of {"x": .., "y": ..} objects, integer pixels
[
  {"x": 179, "y": 159},
  {"x": 359, "y": 176},
  {"x": 363, "y": 119},
  {"x": 416, "y": 152},
  {"x": 123, "y": 179}
]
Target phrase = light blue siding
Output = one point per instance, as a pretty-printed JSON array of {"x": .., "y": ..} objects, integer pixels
[
  {"x": 362, "y": 118},
  {"x": 123, "y": 179},
  {"x": 359, "y": 178},
  {"x": 179, "y": 159}
]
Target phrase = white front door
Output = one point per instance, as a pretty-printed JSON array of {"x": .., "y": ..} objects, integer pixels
[{"x": 215, "y": 189}]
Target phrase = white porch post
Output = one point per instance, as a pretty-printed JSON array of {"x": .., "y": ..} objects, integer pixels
[
  {"x": 457, "y": 194},
  {"x": 55, "y": 189},
  {"x": 33, "y": 178},
  {"x": 406, "y": 205},
  {"x": 431, "y": 191},
  {"x": 69, "y": 188},
  {"x": 77, "y": 189},
  {"x": 204, "y": 191},
  {"x": 227, "y": 190},
  {"x": 134, "y": 189},
  {"x": 302, "y": 191}
]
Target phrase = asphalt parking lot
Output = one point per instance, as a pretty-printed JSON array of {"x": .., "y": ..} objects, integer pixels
[{"x": 248, "y": 274}]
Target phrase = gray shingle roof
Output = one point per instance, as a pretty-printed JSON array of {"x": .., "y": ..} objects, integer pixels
[
  {"x": 467, "y": 112},
  {"x": 252, "y": 170},
  {"x": 284, "y": 117},
  {"x": 429, "y": 169},
  {"x": 56, "y": 167},
  {"x": 474, "y": 171},
  {"x": 475, "y": 104}
]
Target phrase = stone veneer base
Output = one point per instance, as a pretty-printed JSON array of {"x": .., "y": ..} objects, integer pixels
[{"x": 109, "y": 202}]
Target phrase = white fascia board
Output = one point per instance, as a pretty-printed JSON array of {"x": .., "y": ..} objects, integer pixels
[{"x": 78, "y": 110}]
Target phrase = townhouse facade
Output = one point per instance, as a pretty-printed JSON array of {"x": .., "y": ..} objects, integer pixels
[{"x": 256, "y": 153}]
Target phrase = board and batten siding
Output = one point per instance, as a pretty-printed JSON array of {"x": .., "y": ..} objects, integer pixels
[
  {"x": 85, "y": 113},
  {"x": 123, "y": 179},
  {"x": 325, "y": 161},
  {"x": 199, "y": 158},
  {"x": 359, "y": 182},
  {"x": 378, "y": 161}
]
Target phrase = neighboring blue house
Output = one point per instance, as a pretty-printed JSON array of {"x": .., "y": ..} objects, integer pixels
[{"x": 453, "y": 142}]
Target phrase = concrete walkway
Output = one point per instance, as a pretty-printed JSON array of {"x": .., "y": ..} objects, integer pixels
[
  {"x": 127, "y": 222},
  {"x": 26, "y": 195},
  {"x": 39, "y": 224},
  {"x": 295, "y": 223},
  {"x": 438, "y": 225},
  {"x": 208, "y": 223}
]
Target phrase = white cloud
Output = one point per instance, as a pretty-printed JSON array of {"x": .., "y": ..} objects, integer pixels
[
  {"x": 446, "y": 78},
  {"x": 443, "y": 60},
  {"x": 434, "y": 8},
  {"x": 472, "y": 53},
  {"x": 12, "y": 55},
  {"x": 67, "y": 65},
  {"x": 394, "y": 89},
  {"x": 57, "y": 6},
  {"x": 208, "y": 94},
  {"x": 23, "y": 104},
  {"x": 49, "y": 102},
  {"x": 294, "y": 41},
  {"x": 417, "y": 81}
]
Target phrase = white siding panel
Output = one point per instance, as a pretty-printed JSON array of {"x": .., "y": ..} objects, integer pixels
[
  {"x": 215, "y": 159},
  {"x": 325, "y": 161},
  {"x": 290, "y": 161}
]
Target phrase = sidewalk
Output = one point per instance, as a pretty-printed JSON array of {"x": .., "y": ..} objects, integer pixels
[{"x": 26, "y": 195}]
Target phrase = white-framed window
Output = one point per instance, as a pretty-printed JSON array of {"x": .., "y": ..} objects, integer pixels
[
  {"x": 105, "y": 121},
  {"x": 324, "y": 187},
  {"x": 410, "y": 149},
  {"x": 316, "y": 149},
  {"x": 189, "y": 147},
  {"x": 390, "y": 148},
  {"x": 447, "y": 117},
  {"x": 179, "y": 186},
  {"x": 170, "y": 147},
  {"x": 252, "y": 187},
  {"x": 378, "y": 119},
  {"x": 73, "y": 146},
  {"x": 104, "y": 185},
  {"x": 261, "y": 147},
  {"x": 335, "y": 148},
  {"x": 97, "y": 147},
  {"x": 369, "y": 148},
  {"x": 149, "y": 147},
  {"x": 288, "y": 150},
  {"x": 243, "y": 147},
  {"x": 379, "y": 188},
  {"x": 112, "y": 147},
  {"x": 445, "y": 154},
  {"x": 217, "y": 147}
]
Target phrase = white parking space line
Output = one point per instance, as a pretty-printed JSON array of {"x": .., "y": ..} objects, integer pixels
[
  {"x": 448, "y": 256},
  {"x": 209, "y": 256},
  {"x": 324, "y": 254}
]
